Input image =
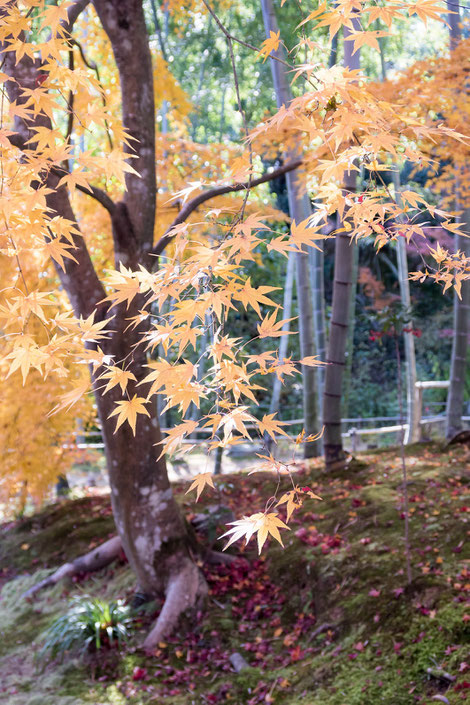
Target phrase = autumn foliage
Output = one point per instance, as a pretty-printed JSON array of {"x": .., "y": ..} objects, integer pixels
[{"x": 187, "y": 286}]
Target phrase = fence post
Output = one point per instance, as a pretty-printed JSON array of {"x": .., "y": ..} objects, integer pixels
[
  {"x": 353, "y": 435},
  {"x": 416, "y": 432}
]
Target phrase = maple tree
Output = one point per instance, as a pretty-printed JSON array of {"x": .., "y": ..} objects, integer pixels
[{"x": 140, "y": 279}]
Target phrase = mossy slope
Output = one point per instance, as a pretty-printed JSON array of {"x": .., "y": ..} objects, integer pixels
[{"x": 329, "y": 620}]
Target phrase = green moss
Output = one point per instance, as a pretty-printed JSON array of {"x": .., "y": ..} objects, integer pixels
[
  {"x": 59, "y": 533},
  {"x": 379, "y": 642}
]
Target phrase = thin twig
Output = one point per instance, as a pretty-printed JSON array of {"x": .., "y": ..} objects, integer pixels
[
  {"x": 94, "y": 67},
  {"x": 228, "y": 38}
]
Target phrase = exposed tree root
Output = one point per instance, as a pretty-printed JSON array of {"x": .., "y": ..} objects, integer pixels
[
  {"x": 460, "y": 437},
  {"x": 103, "y": 555},
  {"x": 185, "y": 591},
  {"x": 218, "y": 558},
  {"x": 98, "y": 558}
]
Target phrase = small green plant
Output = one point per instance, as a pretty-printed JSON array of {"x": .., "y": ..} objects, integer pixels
[{"x": 89, "y": 625}]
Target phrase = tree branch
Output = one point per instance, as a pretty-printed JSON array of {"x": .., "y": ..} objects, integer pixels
[
  {"x": 124, "y": 24},
  {"x": 94, "y": 67},
  {"x": 191, "y": 205},
  {"x": 98, "y": 194},
  {"x": 74, "y": 12}
]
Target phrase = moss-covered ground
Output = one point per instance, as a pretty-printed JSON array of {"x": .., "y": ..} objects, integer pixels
[{"x": 329, "y": 620}]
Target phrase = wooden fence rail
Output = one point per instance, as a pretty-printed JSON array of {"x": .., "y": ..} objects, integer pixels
[{"x": 352, "y": 433}]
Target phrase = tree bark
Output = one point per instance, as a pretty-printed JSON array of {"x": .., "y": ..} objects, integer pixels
[
  {"x": 453, "y": 20},
  {"x": 412, "y": 412},
  {"x": 284, "y": 341},
  {"x": 458, "y": 364},
  {"x": 350, "y": 341},
  {"x": 299, "y": 209},
  {"x": 339, "y": 324}
]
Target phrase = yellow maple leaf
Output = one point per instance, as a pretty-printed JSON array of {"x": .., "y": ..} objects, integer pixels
[
  {"x": 91, "y": 331},
  {"x": 253, "y": 296},
  {"x": 366, "y": 38},
  {"x": 71, "y": 397},
  {"x": 260, "y": 524},
  {"x": 270, "y": 44},
  {"x": 127, "y": 411},
  {"x": 304, "y": 233},
  {"x": 125, "y": 283},
  {"x": 176, "y": 434},
  {"x": 24, "y": 357},
  {"x": 116, "y": 375},
  {"x": 271, "y": 426},
  {"x": 268, "y": 328},
  {"x": 292, "y": 502},
  {"x": 199, "y": 482},
  {"x": 425, "y": 9},
  {"x": 58, "y": 249},
  {"x": 311, "y": 361}
]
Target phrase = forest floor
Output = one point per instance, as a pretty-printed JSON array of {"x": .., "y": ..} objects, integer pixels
[{"x": 329, "y": 620}]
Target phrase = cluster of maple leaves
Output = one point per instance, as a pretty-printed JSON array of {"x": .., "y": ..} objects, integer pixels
[{"x": 341, "y": 125}]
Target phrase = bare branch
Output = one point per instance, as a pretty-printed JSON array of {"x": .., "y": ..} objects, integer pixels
[
  {"x": 191, "y": 205},
  {"x": 74, "y": 12},
  {"x": 228, "y": 38},
  {"x": 70, "y": 103},
  {"x": 242, "y": 43},
  {"x": 100, "y": 196}
]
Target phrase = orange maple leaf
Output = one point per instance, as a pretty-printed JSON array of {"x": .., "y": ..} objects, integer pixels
[
  {"x": 290, "y": 499},
  {"x": 127, "y": 411},
  {"x": 271, "y": 426},
  {"x": 268, "y": 328},
  {"x": 199, "y": 482},
  {"x": 259, "y": 523},
  {"x": 269, "y": 45}
]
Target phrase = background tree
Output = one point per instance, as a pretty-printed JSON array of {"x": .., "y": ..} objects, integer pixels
[
  {"x": 340, "y": 310},
  {"x": 455, "y": 398},
  {"x": 300, "y": 211}
]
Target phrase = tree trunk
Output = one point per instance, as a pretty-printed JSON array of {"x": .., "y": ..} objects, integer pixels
[
  {"x": 350, "y": 342},
  {"x": 284, "y": 341},
  {"x": 154, "y": 535},
  {"x": 317, "y": 282},
  {"x": 299, "y": 209},
  {"x": 412, "y": 411},
  {"x": 458, "y": 365},
  {"x": 336, "y": 357},
  {"x": 458, "y": 362},
  {"x": 453, "y": 20}
]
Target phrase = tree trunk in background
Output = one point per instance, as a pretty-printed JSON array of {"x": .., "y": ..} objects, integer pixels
[
  {"x": 412, "y": 412},
  {"x": 458, "y": 365},
  {"x": 339, "y": 324},
  {"x": 455, "y": 398},
  {"x": 284, "y": 341},
  {"x": 350, "y": 341},
  {"x": 317, "y": 283},
  {"x": 453, "y": 20},
  {"x": 299, "y": 209}
]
